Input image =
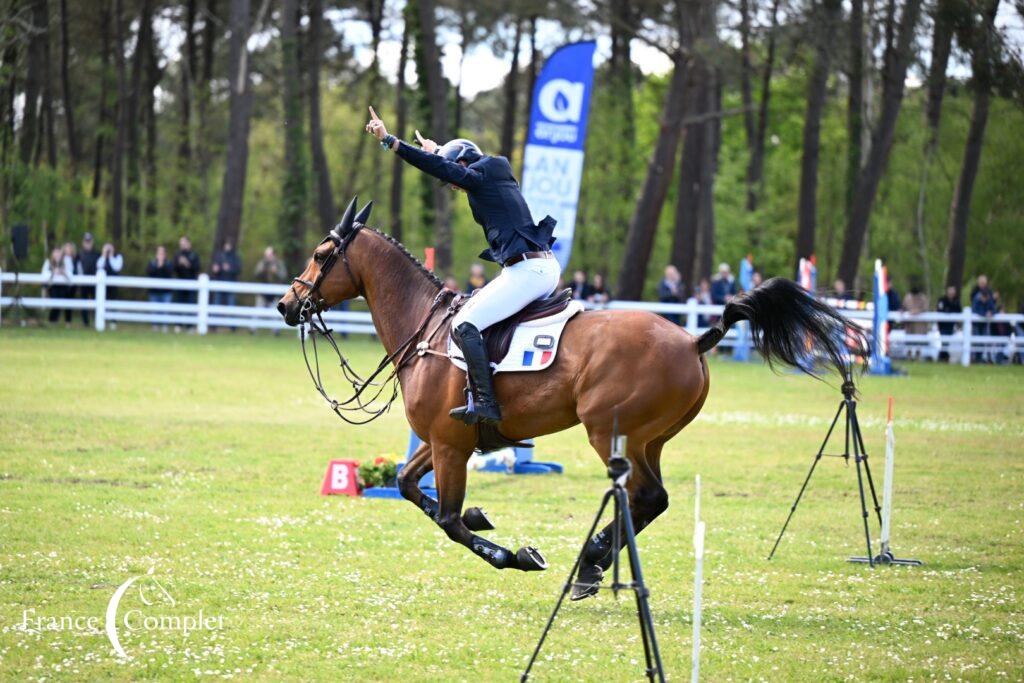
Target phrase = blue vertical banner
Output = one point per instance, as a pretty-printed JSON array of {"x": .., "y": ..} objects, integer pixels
[
  {"x": 553, "y": 158},
  {"x": 880, "y": 362}
]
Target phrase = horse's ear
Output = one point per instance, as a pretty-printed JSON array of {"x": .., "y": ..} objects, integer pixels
[
  {"x": 364, "y": 213},
  {"x": 346, "y": 219}
]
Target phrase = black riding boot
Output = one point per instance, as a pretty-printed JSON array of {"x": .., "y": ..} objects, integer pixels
[{"x": 484, "y": 406}]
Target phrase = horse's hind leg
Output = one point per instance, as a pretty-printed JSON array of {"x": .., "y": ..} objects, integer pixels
[
  {"x": 647, "y": 498},
  {"x": 450, "y": 475},
  {"x": 409, "y": 485}
]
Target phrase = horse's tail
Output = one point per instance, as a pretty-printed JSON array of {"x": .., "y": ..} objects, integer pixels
[{"x": 789, "y": 326}]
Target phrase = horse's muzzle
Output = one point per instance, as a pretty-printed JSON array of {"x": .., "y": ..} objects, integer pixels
[{"x": 289, "y": 308}]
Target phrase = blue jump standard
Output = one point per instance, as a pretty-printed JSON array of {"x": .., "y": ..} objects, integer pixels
[{"x": 524, "y": 464}]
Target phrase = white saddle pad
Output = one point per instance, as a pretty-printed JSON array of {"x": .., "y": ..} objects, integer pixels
[{"x": 534, "y": 343}]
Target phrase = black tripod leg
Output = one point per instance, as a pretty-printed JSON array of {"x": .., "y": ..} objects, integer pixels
[
  {"x": 568, "y": 584},
  {"x": 651, "y": 652},
  {"x": 867, "y": 470},
  {"x": 851, "y": 416},
  {"x": 807, "y": 480}
]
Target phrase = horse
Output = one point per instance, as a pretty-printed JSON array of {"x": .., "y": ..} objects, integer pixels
[{"x": 633, "y": 369}]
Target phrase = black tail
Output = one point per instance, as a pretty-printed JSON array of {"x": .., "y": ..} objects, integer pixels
[{"x": 789, "y": 325}]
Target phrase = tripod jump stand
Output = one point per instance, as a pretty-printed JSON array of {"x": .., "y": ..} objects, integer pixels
[
  {"x": 623, "y": 536},
  {"x": 854, "y": 446}
]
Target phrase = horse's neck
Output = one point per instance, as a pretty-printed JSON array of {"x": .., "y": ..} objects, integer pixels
[{"x": 397, "y": 292}]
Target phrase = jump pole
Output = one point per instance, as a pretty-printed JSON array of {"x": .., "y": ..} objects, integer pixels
[
  {"x": 885, "y": 555},
  {"x": 698, "y": 580}
]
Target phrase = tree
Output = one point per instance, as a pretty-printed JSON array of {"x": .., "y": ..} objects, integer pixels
[
  {"x": 508, "y": 119},
  {"x": 756, "y": 123},
  {"x": 35, "y": 77},
  {"x": 829, "y": 12},
  {"x": 104, "y": 106},
  {"x": 131, "y": 122},
  {"x": 292, "y": 218},
  {"x": 325, "y": 207},
  {"x": 229, "y": 216},
  {"x": 854, "y": 100},
  {"x": 120, "y": 126},
  {"x": 69, "y": 108},
  {"x": 894, "y": 73},
  {"x": 397, "y": 165},
  {"x": 187, "y": 69},
  {"x": 983, "y": 55}
]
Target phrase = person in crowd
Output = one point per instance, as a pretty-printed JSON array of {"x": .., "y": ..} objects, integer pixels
[
  {"x": 756, "y": 278},
  {"x": 915, "y": 303},
  {"x": 982, "y": 304},
  {"x": 186, "y": 267},
  {"x": 950, "y": 303},
  {"x": 581, "y": 290},
  {"x": 477, "y": 278},
  {"x": 226, "y": 267},
  {"x": 671, "y": 291},
  {"x": 980, "y": 284},
  {"x": 85, "y": 264},
  {"x": 723, "y": 286},
  {"x": 703, "y": 297},
  {"x": 839, "y": 290},
  {"x": 999, "y": 328},
  {"x": 895, "y": 302},
  {"x": 598, "y": 292},
  {"x": 269, "y": 270},
  {"x": 72, "y": 268},
  {"x": 58, "y": 270},
  {"x": 451, "y": 283},
  {"x": 111, "y": 263},
  {"x": 160, "y": 267}
]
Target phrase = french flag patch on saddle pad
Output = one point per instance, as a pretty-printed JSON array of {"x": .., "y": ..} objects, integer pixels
[{"x": 534, "y": 344}]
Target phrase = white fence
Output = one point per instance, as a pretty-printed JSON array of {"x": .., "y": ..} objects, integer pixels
[{"x": 969, "y": 339}]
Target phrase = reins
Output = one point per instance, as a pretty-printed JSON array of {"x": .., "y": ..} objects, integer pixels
[{"x": 400, "y": 357}]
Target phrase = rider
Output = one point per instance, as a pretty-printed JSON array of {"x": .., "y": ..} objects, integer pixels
[{"x": 529, "y": 269}]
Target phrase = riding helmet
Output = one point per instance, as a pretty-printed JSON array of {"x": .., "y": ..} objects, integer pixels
[{"x": 461, "y": 149}]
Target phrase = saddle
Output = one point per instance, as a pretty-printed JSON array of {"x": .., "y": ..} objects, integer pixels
[{"x": 498, "y": 337}]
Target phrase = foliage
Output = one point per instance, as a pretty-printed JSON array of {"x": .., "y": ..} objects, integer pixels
[{"x": 380, "y": 472}]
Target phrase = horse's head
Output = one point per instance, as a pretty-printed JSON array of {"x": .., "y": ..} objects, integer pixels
[{"x": 327, "y": 278}]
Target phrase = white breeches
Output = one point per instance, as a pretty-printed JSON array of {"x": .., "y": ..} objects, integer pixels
[{"x": 510, "y": 292}]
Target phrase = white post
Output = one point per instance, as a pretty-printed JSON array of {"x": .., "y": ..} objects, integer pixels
[
  {"x": 101, "y": 300},
  {"x": 890, "y": 454},
  {"x": 691, "y": 316},
  {"x": 698, "y": 581},
  {"x": 966, "y": 334},
  {"x": 1, "y": 296},
  {"x": 204, "y": 303}
]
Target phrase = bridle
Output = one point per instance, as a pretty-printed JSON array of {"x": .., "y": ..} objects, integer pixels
[{"x": 311, "y": 317}]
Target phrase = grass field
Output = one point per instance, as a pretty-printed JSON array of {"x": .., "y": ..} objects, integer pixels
[{"x": 202, "y": 458}]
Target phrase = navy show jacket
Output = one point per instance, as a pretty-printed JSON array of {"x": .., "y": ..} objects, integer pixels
[{"x": 495, "y": 199}]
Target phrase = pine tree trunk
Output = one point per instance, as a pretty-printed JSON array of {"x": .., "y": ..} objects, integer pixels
[
  {"x": 292, "y": 219},
  {"x": 133, "y": 174},
  {"x": 508, "y": 119},
  {"x": 755, "y": 167},
  {"x": 644, "y": 223},
  {"x": 49, "y": 128},
  {"x": 74, "y": 153},
  {"x": 686, "y": 233},
  {"x": 894, "y": 74},
  {"x": 104, "y": 113},
  {"x": 35, "y": 65},
  {"x": 325, "y": 207},
  {"x": 854, "y": 100},
  {"x": 203, "y": 155},
  {"x": 708, "y": 170},
  {"x": 153, "y": 76},
  {"x": 397, "y": 165},
  {"x": 188, "y": 75},
  {"x": 120, "y": 126},
  {"x": 438, "y": 100},
  {"x": 807, "y": 211},
  {"x": 229, "y": 215},
  {"x": 532, "y": 71}
]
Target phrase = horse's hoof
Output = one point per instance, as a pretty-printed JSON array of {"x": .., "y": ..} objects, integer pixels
[
  {"x": 529, "y": 559},
  {"x": 588, "y": 581},
  {"x": 476, "y": 519}
]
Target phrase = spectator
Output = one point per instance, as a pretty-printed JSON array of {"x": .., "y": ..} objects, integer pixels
[
  {"x": 703, "y": 297},
  {"x": 915, "y": 303},
  {"x": 980, "y": 284},
  {"x": 999, "y": 328},
  {"x": 58, "y": 269},
  {"x": 598, "y": 293},
  {"x": 111, "y": 263},
  {"x": 894, "y": 298},
  {"x": 756, "y": 279},
  {"x": 186, "y": 267},
  {"x": 451, "y": 283},
  {"x": 269, "y": 270},
  {"x": 580, "y": 287},
  {"x": 723, "y": 286},
  {"x": 982, "y": 304},
  {"x": 671, "y": 291},
  {"x": 950, "y": 303},
  {"x": 226, "y": 267},
  {"x": 160, "y": 267},
  {"x": 477, "y": 278},
  {"x": 839, "y": 290},
  {"x": 85, "y": 264},
  {"x": 72, "y": 268}
]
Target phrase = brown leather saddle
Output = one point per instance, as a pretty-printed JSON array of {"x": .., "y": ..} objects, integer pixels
[{"x": 498, "y": 337}]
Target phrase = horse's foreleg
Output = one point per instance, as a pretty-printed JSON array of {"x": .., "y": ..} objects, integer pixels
[
  {"x": 450, "y": 475},
  {"x": 409, "y": 485}
]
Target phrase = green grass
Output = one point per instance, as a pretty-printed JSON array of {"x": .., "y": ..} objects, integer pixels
[{"x": 202, "y": 457}]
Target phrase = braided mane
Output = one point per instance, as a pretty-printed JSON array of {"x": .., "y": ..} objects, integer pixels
[{"x": 434, "y": 280}]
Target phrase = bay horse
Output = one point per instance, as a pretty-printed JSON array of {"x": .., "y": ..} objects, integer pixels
[{"x": 631, "y": 367}]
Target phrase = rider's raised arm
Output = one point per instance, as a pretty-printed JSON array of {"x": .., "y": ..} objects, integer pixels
[{"x": 439, "y": 167}]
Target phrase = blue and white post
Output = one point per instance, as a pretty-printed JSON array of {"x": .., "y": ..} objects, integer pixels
[{"x": 880, "y": 361}]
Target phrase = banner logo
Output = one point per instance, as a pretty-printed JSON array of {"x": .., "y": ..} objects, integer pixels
[{"x": 561, "y": 101}]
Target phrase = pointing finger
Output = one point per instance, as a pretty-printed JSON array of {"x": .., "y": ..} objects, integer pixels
[{"x": 373, "y": 115}]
